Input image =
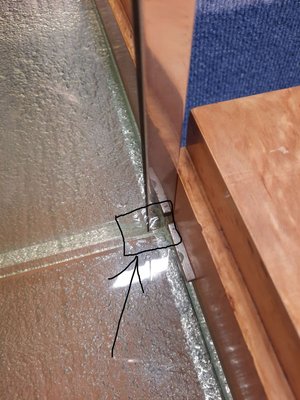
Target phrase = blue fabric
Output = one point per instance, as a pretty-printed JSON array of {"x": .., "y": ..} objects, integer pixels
[{"x": 243, "y": 47}]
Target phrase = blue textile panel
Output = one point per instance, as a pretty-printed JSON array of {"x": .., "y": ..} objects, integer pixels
[{"x": 241, "y": 48}]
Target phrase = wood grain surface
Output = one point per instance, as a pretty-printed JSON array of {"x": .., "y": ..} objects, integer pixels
[
  {"x": 264, "y": 357},
  {"x": 248, "y": 158},
  {"x": 123, "y": 15}
]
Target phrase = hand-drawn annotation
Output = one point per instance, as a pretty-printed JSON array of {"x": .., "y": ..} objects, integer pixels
[{"x": 135, "y": 261}]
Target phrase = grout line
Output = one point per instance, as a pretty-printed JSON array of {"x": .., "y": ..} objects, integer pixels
[{"x": 55, "y": 252}]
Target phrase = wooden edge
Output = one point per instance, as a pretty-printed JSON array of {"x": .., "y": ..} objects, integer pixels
[
  {"x": 122, "y": 56},
  {"x": 266, "y": 295},
  {"x": 257, "y": 341},
  {"x": 127, "y": 5},
  {"x": 125, "y": 26}
]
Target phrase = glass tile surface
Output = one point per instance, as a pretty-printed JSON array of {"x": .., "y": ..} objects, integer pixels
[
  {"x": 70, "y": 161},
  {"x": 69, "y": 148}
]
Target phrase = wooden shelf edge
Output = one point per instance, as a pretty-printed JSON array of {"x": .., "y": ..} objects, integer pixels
[
  {"x": 124, "y": 25},
  {"x": 254, "y": 334}
]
